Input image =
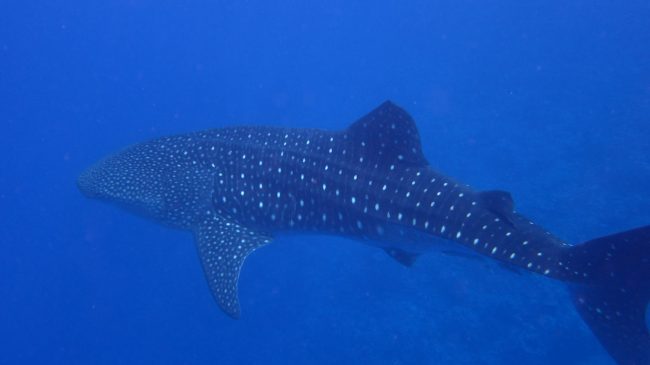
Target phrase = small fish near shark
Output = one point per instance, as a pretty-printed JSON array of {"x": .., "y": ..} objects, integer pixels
[{"x": 236, "y": 188}]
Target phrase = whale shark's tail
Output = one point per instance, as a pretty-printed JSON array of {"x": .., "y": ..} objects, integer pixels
[{"x": 613, "y": 299}]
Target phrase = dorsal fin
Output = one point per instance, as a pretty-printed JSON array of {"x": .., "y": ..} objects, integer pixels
[
  {"x": 500, "y": 203},
  {"x": 387, "y": 135}
]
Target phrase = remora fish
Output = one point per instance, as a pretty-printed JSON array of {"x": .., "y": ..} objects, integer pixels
[{"x": 236, "y": 188}]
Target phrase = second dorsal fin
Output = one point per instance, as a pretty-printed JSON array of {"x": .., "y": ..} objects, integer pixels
[{"x": 500, "y": 203}]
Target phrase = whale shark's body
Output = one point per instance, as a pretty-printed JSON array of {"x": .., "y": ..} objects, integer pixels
[{"x": 236, "y": 188}]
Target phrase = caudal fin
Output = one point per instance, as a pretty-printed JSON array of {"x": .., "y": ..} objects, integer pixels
[{"x": 614, "y": 297}]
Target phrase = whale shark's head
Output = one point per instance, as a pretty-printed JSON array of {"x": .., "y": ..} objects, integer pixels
[{"x": 129, "y": 179}]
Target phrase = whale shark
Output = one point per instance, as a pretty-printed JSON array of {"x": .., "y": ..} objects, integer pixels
[{"x": 237, "y": 188}]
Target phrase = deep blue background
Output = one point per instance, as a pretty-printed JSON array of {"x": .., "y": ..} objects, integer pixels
[{"x": 549, "y": 100}]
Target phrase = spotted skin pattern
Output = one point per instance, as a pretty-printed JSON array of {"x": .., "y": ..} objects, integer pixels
[{"x": 235, "y": 188}]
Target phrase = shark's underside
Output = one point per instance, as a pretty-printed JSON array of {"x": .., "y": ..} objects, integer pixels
[{"x": 236, "y": 188}]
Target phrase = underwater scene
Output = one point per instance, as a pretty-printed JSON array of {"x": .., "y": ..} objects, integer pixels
[{"x": 340, "y": 182}]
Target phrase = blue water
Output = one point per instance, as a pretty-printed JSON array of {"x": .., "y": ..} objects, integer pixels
[{"x": 548, "y": 100}]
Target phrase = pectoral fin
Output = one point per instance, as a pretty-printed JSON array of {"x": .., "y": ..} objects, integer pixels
[{"x": 223, "y": 245}]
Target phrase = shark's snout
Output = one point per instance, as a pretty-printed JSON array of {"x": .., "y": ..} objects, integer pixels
[
  {"x": 127, "y": 179},
  {"x": 87, "y": 183}
]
